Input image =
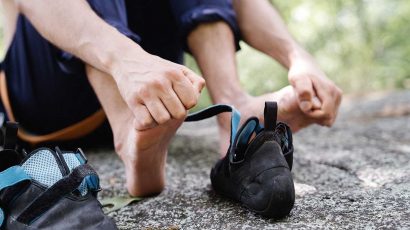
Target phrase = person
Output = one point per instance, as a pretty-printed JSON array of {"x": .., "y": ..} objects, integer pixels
[{"x": 71, "y": 63}]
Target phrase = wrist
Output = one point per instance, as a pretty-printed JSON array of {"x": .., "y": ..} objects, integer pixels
[
  {"x": 119, "y": 53},
  {"x": 299, "y": 55},
  {"x": 287, "y": 53},
  {"x": 107, "y": 50}
]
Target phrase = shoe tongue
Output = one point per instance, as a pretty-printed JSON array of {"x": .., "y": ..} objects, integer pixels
[
  {"x": 42, "y": 166},
  {"x": 47, "y": 166}
]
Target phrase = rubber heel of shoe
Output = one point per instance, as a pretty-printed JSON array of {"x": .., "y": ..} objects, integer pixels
[
  {"x": 272, "y": 200},
  {"x": 282, "y": 198}
]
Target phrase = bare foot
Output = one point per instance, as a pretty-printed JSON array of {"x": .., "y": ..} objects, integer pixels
[
  {"x": 144, "y": 155},
  {"x": 288, "y": 112}
]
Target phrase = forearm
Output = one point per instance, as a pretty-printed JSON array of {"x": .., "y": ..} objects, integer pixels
[
  {"x": 263, "y": 28},
  {"x": 9, "y": 10},
  {"x": 74, "y": 27}
]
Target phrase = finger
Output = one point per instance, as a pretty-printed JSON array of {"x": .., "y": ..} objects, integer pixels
[
  {"x": 323, "y": 116},
  {"x": 328, "y": 122},
  {"x": 143, "y": 119},
  {"x": 174, "y": 105},
  {"x": 316, "y": 114},
  {"x": 329, "y": 104},
  {"x": 319, "y": 117},
  {"x": 338, "y": 94},
  {"x": 158, "y": 111},
  {"x": 305, "y": 92},
  {"x": 197, "y": 81},
  {"x": 185, "y": 92}
]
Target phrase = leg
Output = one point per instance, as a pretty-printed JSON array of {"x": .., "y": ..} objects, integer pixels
[
  {"x": 40, "y": 85},
  {"x": 143, "y": 152},
  {"x": 213, "y": 47}
]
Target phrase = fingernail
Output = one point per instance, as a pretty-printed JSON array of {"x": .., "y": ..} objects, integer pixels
[
  {"x": 317, "y": 103},
  {"x": 305, "y": 105}
]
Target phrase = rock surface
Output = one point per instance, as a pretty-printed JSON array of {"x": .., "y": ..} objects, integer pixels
[{"x": 354, "y": 175}]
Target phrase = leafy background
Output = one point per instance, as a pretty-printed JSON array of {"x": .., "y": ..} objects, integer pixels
[{"x": 363, "y": 45}]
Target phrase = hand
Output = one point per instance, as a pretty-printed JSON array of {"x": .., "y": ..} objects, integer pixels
[
  {"x": 318, "y": 97},
  {"x": 156, "y": 90}
]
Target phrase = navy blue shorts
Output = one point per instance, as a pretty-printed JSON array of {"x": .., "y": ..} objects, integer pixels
[{"x": 48, "y": 88}]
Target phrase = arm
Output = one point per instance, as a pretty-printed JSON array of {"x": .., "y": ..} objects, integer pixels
[
  {"x": 259, "y": 23},
  {"x": 263, "y": 29},
  {"x": 10, "y": 13},
  {"x": 154, "y": 89},
  {"x": 75, "y": 28}
]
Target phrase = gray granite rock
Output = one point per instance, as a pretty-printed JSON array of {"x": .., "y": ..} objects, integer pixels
[{"x": 354, "y": 175}]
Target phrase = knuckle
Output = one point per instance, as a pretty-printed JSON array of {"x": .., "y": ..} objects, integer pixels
[
  {"x": 332, "y": 88},
  {"x": 133, "y": 99},
  {"x": 292, "y": 80},
  {"x": 143, "y": 92},
  {"x": 339, "y": 92},
  {"x": 173, "y": 73},
  {"x": 296, "y": 79},
  {"x": 139, "y": 126},
  {"x": 144, "y": 123},
  {"x": 336, "y": 91},
  {"x": 191, "y": 102},
  {"x": 180, "y": 114},
  {"x": 201, "y": 82},
  {"x": 159, "y": 84},
  {"x": 163, "y": 118}
]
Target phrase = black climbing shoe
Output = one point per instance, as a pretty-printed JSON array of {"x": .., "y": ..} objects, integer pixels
[
  {"x": 256, "y": 169},
  {"x": 48, "y": 189}
]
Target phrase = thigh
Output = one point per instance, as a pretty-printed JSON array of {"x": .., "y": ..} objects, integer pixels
[
  {"x": 155, "y": 23},
  {"x": 44, "y": 98},
  {"x": 47, "y": 87},
  {"x": 189, "y": 14}
]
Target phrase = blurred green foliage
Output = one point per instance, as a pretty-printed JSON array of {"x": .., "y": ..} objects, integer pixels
[{"x": 363, "y": 45}]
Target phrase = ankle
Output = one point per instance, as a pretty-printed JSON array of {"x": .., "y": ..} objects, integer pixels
[
  {"x": 237, "y": 99},
  {"x": 145, "y": 175},
  {"x": 145, "y": 188}
]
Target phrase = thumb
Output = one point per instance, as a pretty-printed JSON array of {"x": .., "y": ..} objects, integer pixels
[{"x": 304, "y": 90}]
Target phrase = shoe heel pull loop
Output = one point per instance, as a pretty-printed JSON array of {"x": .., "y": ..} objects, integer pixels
[
  {"x": 209, "y": 112},
  {"x": 10, "y": 135},
  {"x": 270, "y": 115},
  {"x": 215, "y": 110}
]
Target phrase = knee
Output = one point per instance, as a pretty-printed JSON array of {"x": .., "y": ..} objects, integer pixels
[{"x": 213, "y": 28}]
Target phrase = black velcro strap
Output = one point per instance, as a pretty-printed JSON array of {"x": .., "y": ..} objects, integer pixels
[
  {"x": 208, "y": 112},
  {"x": 10, "y": 135},
  {"x": 10, "y": 193},
  {"x": 270, "y": 115},
  {"x": 53, "y": 194}
]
